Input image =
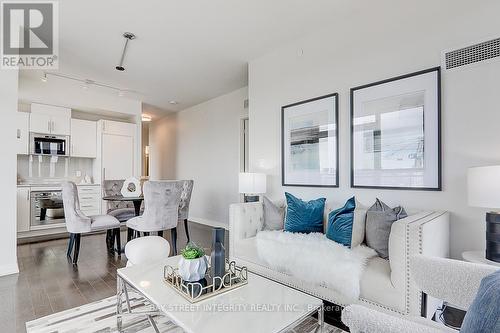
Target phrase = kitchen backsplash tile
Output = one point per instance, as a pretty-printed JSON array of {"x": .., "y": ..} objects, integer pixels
[{"x": 46, "y": 168}]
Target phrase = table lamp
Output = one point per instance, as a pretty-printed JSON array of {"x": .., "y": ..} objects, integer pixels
[
  {"x": 251, "y": 185},
  {"x": 484, "y": 191}
]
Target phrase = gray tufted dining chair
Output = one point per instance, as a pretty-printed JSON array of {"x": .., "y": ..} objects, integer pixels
[
  {"x": 122, "y": 210},
  {"x": 187, "y": 189},
  {"x": 78, "y": 223},
  {"x": 161, "y": 209}
]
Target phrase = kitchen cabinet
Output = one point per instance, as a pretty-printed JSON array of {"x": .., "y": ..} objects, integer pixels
[
  {"x": 90, "y": 199},
  {"x": 49, "y": 119},
  {"x": 22, "y": 132},
  {"x": 23, "y": 209},
  {"x": 117, "y": 149},
  {"x": 40, "y": 123},
  {"x": 83, "y": 138},
  {"x": 61, "y": 125}
]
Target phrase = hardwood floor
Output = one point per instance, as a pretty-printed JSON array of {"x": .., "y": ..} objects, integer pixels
[{"x": 47, "y": 282}]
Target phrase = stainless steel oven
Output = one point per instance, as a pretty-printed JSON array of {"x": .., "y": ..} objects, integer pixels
[
  {"x": 46, "y": 208},
  {"x": 41, "y": 144}
]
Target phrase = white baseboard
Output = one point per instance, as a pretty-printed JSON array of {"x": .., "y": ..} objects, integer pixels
[{"x": 9, "y": 269}]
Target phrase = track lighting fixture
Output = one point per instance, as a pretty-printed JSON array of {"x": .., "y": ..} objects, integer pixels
[{"x": 87, "y": 83}]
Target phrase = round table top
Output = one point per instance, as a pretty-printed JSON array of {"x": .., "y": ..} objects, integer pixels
[
  {"x": 122, "y": 198},
  {"x": 478, "y": 257}
]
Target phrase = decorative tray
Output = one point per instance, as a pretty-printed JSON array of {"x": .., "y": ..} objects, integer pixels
[{"x": 209, "y": 286}]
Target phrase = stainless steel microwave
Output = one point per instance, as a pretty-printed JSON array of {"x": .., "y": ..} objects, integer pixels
[{"x": 41, "y": 144}]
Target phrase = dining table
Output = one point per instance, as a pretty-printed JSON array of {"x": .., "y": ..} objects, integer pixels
[{"x": 137, "y": 201}]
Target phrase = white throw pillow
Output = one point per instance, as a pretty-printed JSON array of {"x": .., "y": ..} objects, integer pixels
[{"x": 358, "y": 225}]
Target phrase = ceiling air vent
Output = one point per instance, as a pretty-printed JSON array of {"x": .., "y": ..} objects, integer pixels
[{"x": 472, "y": 54}]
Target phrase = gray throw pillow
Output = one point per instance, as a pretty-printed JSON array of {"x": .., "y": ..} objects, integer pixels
[
  {"x": 379, "y": 220},
  {"x": 273, "y": 215}
]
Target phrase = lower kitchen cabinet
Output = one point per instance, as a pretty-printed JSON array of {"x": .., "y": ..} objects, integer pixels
[{"x": 23, "y": 209}]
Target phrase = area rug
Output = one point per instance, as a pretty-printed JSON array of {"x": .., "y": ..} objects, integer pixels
[{"x": 99, "y": 317}]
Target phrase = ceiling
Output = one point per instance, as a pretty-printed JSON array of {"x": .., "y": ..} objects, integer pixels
[
  {"x": 185, "y": 51},
  {"x": 193, "y": 50}
]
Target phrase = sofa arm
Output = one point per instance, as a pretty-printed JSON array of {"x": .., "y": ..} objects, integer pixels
[
  {"x": 361, "y": 319},
  {"x": 424, "y": 233},
  {"x": 245, "y": 220}
]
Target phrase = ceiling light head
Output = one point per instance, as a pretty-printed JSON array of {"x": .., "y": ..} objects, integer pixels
[
  {"x": 44, "y": 77},
  {"x": 128, "y": 35},
  {"x": 146, "y": 118},
  {"x": 174, "y": 102}
]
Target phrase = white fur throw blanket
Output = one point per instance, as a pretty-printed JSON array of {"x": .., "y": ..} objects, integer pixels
[{"x": 315, "y": 259}]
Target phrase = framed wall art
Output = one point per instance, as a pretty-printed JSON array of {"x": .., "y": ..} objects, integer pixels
[
  {"x": 396, "y": 133},
  {"x": 309, "y": 142}
]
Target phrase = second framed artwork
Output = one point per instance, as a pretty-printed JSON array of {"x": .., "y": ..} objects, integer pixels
[
  {"x": 395, "y": 133},
  {"x": 309, "y": 142}
]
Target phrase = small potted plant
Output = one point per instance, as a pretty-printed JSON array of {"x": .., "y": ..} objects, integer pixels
[{"x": 193, "y": 263}]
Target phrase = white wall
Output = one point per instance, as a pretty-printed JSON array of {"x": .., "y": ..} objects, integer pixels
[
  {"x": 163, "y": 147},
  {"x": 8, "y": 108},
  {"x": 368, "y": 49},
  {"x": 208, "y": 151}
]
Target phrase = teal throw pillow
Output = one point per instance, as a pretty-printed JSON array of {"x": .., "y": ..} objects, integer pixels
[
  {"x": 340, "y": 223},
  {"x": 302, "y": 216}
]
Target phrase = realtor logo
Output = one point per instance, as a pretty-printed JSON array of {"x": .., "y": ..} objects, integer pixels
[{"x": 30, "y": 34}]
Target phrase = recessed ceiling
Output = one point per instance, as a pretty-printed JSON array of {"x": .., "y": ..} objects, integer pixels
[{"x": 192, "y": 51}]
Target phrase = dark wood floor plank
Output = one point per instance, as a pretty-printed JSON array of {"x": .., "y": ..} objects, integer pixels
[{"x": 48, "y": 282}]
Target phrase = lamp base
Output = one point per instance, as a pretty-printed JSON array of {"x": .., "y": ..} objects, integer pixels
[
  {"x": 251, "y": 198},
  {"x": 493, "y": 236}
]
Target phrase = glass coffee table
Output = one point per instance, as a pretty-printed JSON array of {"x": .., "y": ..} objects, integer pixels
[{"x": 262, "y": 305}]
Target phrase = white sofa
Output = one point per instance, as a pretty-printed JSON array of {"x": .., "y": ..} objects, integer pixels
[{"x": 385, "y": 285}]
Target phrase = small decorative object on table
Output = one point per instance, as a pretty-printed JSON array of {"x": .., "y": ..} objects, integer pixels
[
  {"x": 218, "y": 257},
  {"x": 193, "y": 263},
  {"x": 131, "y": 187},
  {"x": 234, "y": 277}
]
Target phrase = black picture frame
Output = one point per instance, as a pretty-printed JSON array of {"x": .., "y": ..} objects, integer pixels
[
  {"x": 336, "y": 115},
  {"x": 439, "y": 136}
]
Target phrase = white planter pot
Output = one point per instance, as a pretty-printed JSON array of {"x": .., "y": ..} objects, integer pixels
[{"x": 192, "y": 270}]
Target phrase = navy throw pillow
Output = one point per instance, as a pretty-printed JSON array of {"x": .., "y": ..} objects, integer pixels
[
  {"x": 340, "y": 222},
  {"x": 302, "y": 216}
]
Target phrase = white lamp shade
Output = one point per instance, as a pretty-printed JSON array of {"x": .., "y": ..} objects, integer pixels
[
  {"x": 252, "y": 183},
  {"x": 484, "y": 186}
]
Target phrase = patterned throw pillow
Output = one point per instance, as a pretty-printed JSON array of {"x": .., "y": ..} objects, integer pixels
[{"x": 302, "y": 216}]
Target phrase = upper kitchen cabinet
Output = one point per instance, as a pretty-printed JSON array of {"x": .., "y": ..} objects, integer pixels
[
  {"x": 83, "y": 138},
  {"x": 22, "y": 132},
  {"x": 50, "y": 119}
]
